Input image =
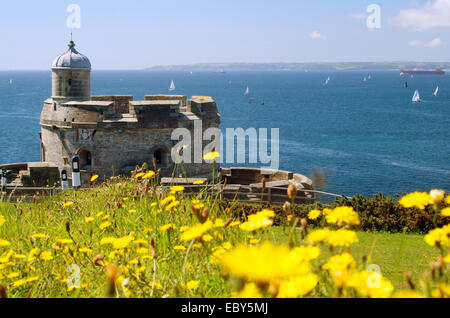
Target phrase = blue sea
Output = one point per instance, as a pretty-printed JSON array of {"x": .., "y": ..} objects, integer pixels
[{"x": 367, "y": 137}]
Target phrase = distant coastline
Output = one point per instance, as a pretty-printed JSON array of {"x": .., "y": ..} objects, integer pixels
[{"x": 346, "y": 66}]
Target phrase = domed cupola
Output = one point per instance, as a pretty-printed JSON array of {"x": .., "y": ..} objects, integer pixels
[
  {"x": 71, "y": 59},
  {"x": 71, "y": 75}
]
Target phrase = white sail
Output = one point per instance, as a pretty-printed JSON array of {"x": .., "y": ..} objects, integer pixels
[
  {"x": 416, "y": 97},
  {"x": 370, "y": 76},
  {"x": 327, "y": 81},
  {"x": 172, "y": 86},
  {"x": 247, "y": 91},
  {"x": 365, "y": 79},
  {"x": 10, "y": 81},
  {"x": 436, "y": 91}
]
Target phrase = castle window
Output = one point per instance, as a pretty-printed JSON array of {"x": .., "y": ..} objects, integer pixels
[
  {"x": 158, "y": 156},
  {"x": 70, "y": 82}
]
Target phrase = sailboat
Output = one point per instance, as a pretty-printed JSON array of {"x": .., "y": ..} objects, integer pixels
[
  {"x": 327, "y": 81},
  {"x": 436, "y": 91},
  {"x": 247, "y": 91},
  {"x": 416, "y": 97},
  {"x": 172, "y": 86},
  {"x": 10, "y": 82},
  {"x": 365, "y": 79},
  {"x": 406, "y": 84},
  {"x": 370, "y": 77}
]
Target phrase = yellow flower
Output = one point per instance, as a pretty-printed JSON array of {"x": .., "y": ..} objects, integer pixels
[
  {"x": 85, "y": 250},
  {"x": 46, "y": 256},
  {"x": 305, "y": 253},
  {"x": 250, "y": 291},
  {"x": 417, "y": 199},
  {"x": 142, "y": 250},
  {"x": 37, "y": 236},
  {"x": 447, "y": 259},
  {"x": 447, "y": 199},
  {"x": 94, "y": 177},
  {"x": 371, "y": 285},
  {"x": 216, "y": 257},
  {"x": 63, "y": 241},
  {"x": 166, "y": 227},
  {"x": 442, "y": 291},
  {"x": 104, "y": 225},
  {"x": 132, "y": 211},
  {"x": 13, "y": 275},
  {"x": 156, "y": 285},
  {"x": 7, "y": 257},
  {"x": 264, "y": 263},
  {"x": 257, "y": 221},
  {"x": 148, "y": 175},
  {"x": 341, "y": 262},
  {"x": 438, "y": 237},
  {"x": 318, "y": 236},
  {"x": 408, "y": 294},
  {"x": 314, "y": 214},
  {"x": 437, "y": 196},
  {"x": 198, "y": 182},
  {"x": 21, "y": 282},
  {"x": 297, "y": 286},
  {"x": 254, "y": 241},
  {"x": 89, "y": 219},
  {"x": 211, "y": 156},
  {"x": 193, "y": 284},
  {"x": 117, "y": 243},
  {"x": 196, "y": 231},
  {"x": 207, "y": 238},
  {"x": 176, "y": 189},
  {"x": 342, "y": 238},
  {"x": 168, "y": 200},
  {"x": 147, "y": 230},
  {"x": 179, "y": 248},
  {"x": 343, "y": 215},
  {"x": 445, "y": 212},
  {"x": 32, "y": 255},
  {"x": 2, "y": 220},
  {"x": 172, "y": 206},
  {"x": 67, "y": 204},
  {"x": 140, "y": 242},
  {"x": 140, "y": 174},
  {"x": 4, "y": 243}
]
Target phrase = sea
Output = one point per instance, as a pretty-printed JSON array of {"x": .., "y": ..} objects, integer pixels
[{"x": 366, "y": 137}]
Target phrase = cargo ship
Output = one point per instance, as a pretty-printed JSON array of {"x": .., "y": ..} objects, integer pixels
[{"x": 416, "y": 72}]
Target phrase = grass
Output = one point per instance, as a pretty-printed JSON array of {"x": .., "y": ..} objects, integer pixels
[{"x": 129, "y": 208}]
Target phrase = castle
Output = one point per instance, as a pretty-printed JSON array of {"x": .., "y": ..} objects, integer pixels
[{"x": 114, "y": 134}]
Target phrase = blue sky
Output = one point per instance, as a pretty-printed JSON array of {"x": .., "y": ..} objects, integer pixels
[{"x": 134, "y": 34}]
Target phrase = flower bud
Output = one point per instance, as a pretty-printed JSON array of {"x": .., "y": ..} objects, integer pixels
[
  {"x": 292, "y": 191},
  {"x": 287, "y": 207},
  {"x": 111, "y": 274},
  {"x": 437, "y": 196}
]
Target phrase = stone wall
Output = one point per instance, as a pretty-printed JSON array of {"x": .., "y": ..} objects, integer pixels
[{"x": 75, "y": 83}]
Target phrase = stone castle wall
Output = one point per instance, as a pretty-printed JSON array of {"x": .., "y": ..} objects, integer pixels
[{"x": 74, "y": 83}]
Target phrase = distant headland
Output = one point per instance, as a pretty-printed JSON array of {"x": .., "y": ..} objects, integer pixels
[{"x": 332, "y": 66}]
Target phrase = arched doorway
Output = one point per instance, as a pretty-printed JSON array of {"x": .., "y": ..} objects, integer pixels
[
  {"x": 160, "y": 157},
  {"x": 85, "y": 159}
]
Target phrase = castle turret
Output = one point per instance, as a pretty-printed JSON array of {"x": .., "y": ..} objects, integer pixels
[{"x": 71, "y": 75}]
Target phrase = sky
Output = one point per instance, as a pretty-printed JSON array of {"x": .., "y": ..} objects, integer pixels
[{"x": 136, "y": 34}]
